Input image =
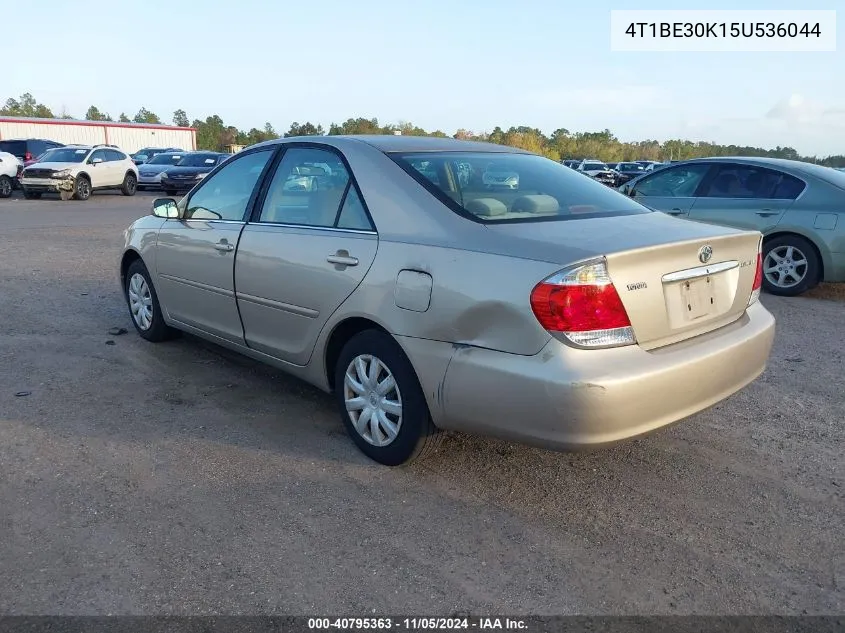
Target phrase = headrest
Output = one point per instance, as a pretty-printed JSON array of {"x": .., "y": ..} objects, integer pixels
[
  {"x": 486, "y": 207},
  {"x": 539, "y": 203}
]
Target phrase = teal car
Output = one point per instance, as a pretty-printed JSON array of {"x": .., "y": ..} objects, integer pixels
[{"x": 798, "y": 207}]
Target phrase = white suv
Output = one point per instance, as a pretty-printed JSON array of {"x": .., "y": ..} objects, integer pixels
[
  {"x": 9, "y": 165},
  {"x": 75, "y": 171}
]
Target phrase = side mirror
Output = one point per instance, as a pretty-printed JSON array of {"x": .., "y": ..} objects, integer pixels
[
  {"x": 165, "y": 208},
  {"x": 96, "y": 161}
]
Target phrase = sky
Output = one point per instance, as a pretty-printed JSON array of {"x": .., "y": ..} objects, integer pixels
[{"x": 440, "y": 64}]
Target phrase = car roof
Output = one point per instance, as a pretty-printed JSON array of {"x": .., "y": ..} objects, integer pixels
[{"x": 389, "y": 143}]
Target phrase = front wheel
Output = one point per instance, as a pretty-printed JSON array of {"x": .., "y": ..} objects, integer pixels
[
  {"x": 381, "y": 402},
  {"x": 130, "y": 185},
  {"x": 790, "y": 266},
  {"x": 5, "y": 187},
  {"x": 82, "y": 188},
  {"x": 144, "y": 307}
]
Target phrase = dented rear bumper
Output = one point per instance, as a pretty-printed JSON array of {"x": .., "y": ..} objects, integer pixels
[{"x": 571, "y": 399}]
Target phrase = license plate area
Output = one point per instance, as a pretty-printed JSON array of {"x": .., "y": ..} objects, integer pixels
[
  {"x": 698, "y": 298},
  {"x": 692, "y": 300}
]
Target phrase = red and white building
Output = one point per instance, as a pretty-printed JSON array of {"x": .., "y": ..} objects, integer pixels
[{"x": 129, "y": 137}]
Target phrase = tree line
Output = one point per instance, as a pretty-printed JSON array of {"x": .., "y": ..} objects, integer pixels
[{"x": 214, "y": 134}]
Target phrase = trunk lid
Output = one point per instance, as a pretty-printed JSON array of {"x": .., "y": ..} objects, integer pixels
[{"x": 655, "y": 261}]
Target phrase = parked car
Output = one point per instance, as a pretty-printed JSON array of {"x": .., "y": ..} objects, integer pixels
[
  {"x": 799, "y": 208},
  {"x": 549, "y": 315},
  {"x": 149, "y": 173},
  {"x": 498, "y": 176},
  {"x": 572, "y": 164},
  {"x": 647, "y": 163},
  {"x": 10, "y": 166},
  {"x": 27, "y": 149},
  {"x": 145, "y": 154},
  {"x": 77, "y": 171},
  {"x": 626, "y": 171},
  {"x": 598, "y": 171},
  {"x": 193, "y": 167}
]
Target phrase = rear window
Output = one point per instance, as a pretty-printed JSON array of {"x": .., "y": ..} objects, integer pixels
[
  {"x": 18, "y": 148},
  {"x": 525, "y": 187}
]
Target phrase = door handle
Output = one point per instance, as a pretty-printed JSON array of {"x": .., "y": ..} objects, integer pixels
[
  {"x": 765, "y": 213},
  {"x": 675, "y": 212},
  {"x": 224, "y": 246},
  {"x": 342, "y": 258}
]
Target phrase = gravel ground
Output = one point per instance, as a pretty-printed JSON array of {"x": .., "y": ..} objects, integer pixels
[{"x": 180, "y": 479}]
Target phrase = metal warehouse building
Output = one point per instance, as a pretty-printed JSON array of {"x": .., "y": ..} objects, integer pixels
[{"x": 130, "y": 137}]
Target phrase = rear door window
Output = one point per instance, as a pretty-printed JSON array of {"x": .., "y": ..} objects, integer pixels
[{"x": 742, "y": 181}]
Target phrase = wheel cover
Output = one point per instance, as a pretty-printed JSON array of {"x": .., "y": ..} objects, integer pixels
[
  {"x": 131, "y": 183},
  {"x": 5, "y": 186},
  {"x": 140, "y": 301},
  {"x": 785, "y": 266},
  {"x": 82, "y": 188},
  {"x": 373, "y": 401}
]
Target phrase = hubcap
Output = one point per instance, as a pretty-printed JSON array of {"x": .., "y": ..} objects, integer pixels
[
  {"x": 785, "y": 266},
  {"x": 373, "y": 401},
  {"x": 82, "y": 188},
  {"x": 5, "y": 187},
  {"x": 130, "y": 184},
  {"x": 140, "y": 301}
]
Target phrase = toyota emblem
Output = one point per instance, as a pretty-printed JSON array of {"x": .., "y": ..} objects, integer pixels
[{"x": 705, "y": 253}]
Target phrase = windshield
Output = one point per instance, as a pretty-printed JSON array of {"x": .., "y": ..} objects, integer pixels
[
  {"x": 542, "y": 189},
  {"x": 165, "y": 159},
  {"x": 65, "y": 155},
  {"x": 630, "y": 167},
  {"x": 594, "y": 166},
  {"x": 198, "y": 160}
]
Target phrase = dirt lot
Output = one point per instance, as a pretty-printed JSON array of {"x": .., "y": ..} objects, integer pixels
[{"x": 176, "y": 478}]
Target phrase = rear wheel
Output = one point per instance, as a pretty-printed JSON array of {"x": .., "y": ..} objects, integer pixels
[
  {"x": 5, "y": 187},
  {"x": 381, "y": 402},
  {"x": 82, "y": 188},
  {"x": 790, "y": 266},
  {"x": 130, "y": 185}
]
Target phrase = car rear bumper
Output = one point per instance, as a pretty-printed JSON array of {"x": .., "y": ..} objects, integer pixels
[{"x": 570, "y": 399}]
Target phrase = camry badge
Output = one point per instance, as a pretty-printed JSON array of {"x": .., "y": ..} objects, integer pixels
[{"x": 705, "y": 253}]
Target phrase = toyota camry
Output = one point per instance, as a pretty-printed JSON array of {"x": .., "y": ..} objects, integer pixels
[{"x": 560, "y": 313}]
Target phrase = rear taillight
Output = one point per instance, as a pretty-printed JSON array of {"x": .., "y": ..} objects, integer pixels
[
  {"x": 27, "y": 156},
  {"x": 758, "y": 277},
  {"x": 581, "y": 305}
]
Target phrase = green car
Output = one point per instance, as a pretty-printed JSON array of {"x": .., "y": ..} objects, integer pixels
[{"x": 798, "y": 207}]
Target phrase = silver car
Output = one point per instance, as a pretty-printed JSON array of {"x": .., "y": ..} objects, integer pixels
[
  {"x": 149, "y": 173},
  {"x": 563, "y": 314}
]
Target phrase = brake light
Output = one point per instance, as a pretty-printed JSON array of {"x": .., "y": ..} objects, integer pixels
[
  {"x": 581, "y": 305},
  {"x": 27, "y": 156},
  {"x": 758, "y": 277}
]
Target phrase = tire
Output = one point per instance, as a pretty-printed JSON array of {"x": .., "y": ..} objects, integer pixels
[
  {"x": 153, "y": 329},
  {"x": 32, "y": 195},
  {"x": 416, "y": 436},
  {"x": 130, "y": 185},
  {"x": 6, "y": 186},
  {"x": 781, "y": 274},
  {"x": 82, "y": 189},
  {"x": 170, "y": 192}
]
